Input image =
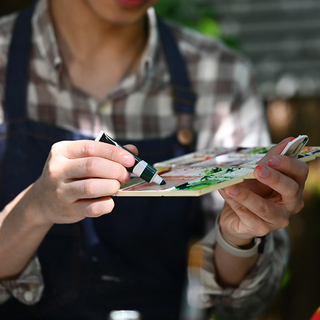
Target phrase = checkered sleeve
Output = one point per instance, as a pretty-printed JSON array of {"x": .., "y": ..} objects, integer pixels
[
  {"x": 254, "y": 293},
  {"x": 27, "y": 288}
]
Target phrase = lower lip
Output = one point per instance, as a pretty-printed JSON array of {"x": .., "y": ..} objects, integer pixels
[{"x": 131, "y": 3}]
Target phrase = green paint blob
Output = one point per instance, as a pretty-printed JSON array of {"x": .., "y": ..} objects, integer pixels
[
  {"x": 232, "y": 169},
  {"x": 203, "y": 183},
  {"x": 213, "y": 170},
  {"x": 258, "y": 151}
]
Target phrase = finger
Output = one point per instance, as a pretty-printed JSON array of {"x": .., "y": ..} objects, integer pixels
[
  {"x": 132, "y": 148},
  {"x": 93, "y": 167},
  {"x": 239, "y": 200},
  {"x": 245, "y": 201},
  {"x": 296, "y": 169},
  {"x": 91, "y": 188},
  {"x": 96, "y": 207},
  {"x": 87, "y": 148},
  {"x": 229, "y": 194},
  {"x": 288, "y": 188},
  {"x": 275, "y": 150}
]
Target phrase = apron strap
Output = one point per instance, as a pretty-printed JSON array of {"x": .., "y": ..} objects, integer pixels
[
  {"x": 17, "y": 73},
  {"x": 184, "y": 98}
]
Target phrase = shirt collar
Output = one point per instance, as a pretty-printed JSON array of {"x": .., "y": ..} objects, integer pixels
[
  {"x": 148, "y": 57},
  {"x": 46, "y": 43}
]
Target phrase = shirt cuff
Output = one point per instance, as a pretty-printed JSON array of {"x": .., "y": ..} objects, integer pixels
[{"x": 27, "y": 288}]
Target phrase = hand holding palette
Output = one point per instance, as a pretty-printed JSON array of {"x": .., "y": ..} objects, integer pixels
[{"x": 201, "y": 172}]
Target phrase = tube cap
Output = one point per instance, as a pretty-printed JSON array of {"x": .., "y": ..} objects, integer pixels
[{"x": 158, "y": 180}]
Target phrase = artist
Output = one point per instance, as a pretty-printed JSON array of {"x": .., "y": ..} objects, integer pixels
[{"x": 68, "y": 249}]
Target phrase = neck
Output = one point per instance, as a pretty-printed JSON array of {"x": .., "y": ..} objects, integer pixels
[
  {"x": 81, "y": 31},
  {"x": 97, "y": 52}
]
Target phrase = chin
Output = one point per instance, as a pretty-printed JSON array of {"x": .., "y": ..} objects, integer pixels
[
  {"x": 132, "y": 4},
  {"x": 123, "y": 12}
]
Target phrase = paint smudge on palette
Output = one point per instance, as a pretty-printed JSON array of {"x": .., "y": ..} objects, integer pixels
[
  {"x": 171, "y": 182},
  {"x": 218, "y": 176}
]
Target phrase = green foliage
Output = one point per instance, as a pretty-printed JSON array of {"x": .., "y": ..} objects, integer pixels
[
  {"x": 196, "y": 14},
  {"x": 209, "y": 26},
  {"x": 286, "y": 278},
  {"x": 193, "y": 15}
]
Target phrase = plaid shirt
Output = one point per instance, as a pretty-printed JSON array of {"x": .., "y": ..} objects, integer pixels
[{"x": 228, "y": 113}]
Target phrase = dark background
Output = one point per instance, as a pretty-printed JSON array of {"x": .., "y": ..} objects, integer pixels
[{"x": 282, "y": 39}]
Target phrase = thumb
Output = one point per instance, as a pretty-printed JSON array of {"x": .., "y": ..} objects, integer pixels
[{"x": 275, "y": 150}]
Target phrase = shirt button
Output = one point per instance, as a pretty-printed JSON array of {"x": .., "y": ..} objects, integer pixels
[
  {"x": 28, "y": 296},
  {"x": 185, "y": 136}
]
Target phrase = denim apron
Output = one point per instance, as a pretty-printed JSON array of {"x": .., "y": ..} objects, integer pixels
[{"x": 132, "y": 258}]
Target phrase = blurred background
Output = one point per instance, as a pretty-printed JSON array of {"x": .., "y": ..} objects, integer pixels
[{"x": 282, "y": 39}]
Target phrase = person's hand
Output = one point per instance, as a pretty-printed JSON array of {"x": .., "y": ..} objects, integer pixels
[
  {"x": 79, "y": 179},
  {"x": 256, "y": 207}
]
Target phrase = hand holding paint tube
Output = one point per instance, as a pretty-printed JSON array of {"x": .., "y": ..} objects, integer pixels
[{"x": 141, "y": 168}]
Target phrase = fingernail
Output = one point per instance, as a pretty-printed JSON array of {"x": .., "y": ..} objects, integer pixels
[
  {"x": 234, "y": 190},
  {"x": 127, "y": 160},
  {"x": 262, "y": 171},
  {"x": 274, "y": 161}
]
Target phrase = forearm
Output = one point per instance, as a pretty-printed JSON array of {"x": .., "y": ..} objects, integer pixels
[
  {"x": 230, "y": 269},
  {"x": 21, "y": 232},
  {"x": 260, "y": 285},
  {"x": 235, "y": 256}
]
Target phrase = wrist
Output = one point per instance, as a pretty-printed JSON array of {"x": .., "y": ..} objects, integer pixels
[
  {"x": 239, "y": 242},
  {"x": 242, "y": 247},
  {"x": 32, "y": 209}
]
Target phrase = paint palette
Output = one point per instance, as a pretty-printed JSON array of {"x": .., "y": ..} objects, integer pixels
[{"x": 205, "y": 171}]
